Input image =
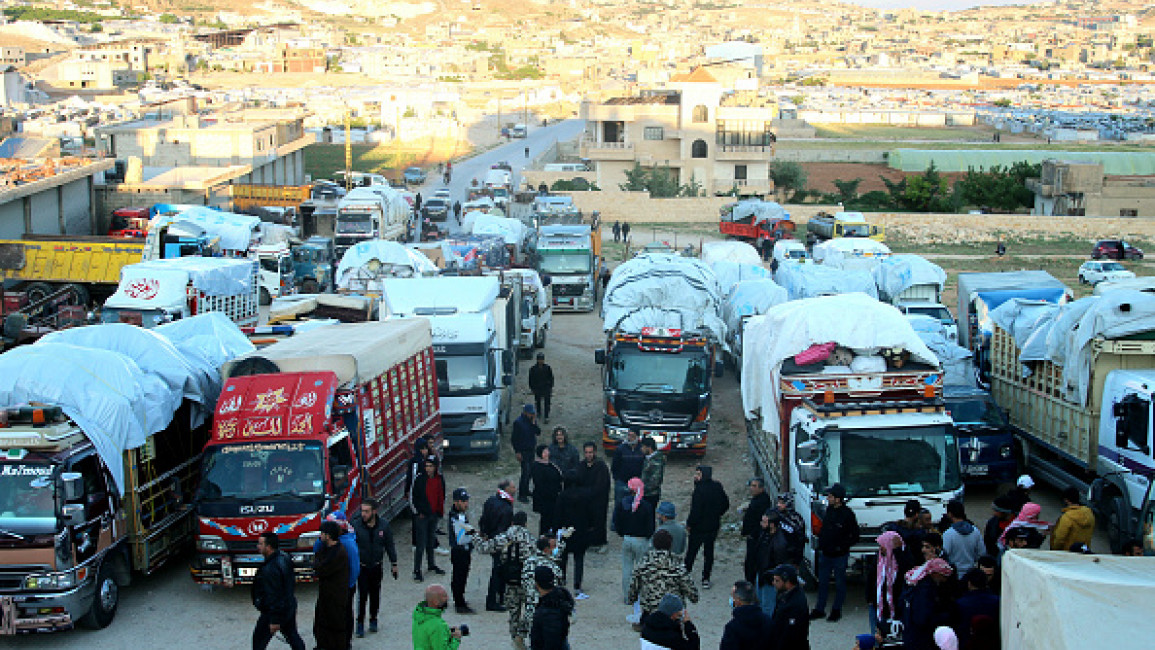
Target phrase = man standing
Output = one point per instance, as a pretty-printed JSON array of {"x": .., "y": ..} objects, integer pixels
[
  {"x": 348, "y": 540},
  {"x": 838, "y": 534},
  {"x": 617, "y": 231},
  {"x": 513, "y": 548},
  {"x": 634, "y": 521},
  {"x": 789, "y": 626},
  {"x": 594, "y": 475},
  {"x": 460, "y": 548},
  {"x": 908, "y": 527},
  {"x": 1075, "y": 526},
  {"x": 749, "y": 626},
  {"x": 707, "y": 505},
  {"x": 496, "y": 518},
  {"x": 541, "y": 385},
  {"x": 547, "y": 480},
  {"x": 457, "y": 211},
  {"x": 430, "y": 631},
  {"x": 562, "y": 453},
  {"x": 1020, "y": 495},
  {"x": 524, "y": 440},
  {"x": 427, "y": 503},
  {"x": 273, "y": 596},
  {"x": 627, "y": 464},
  {"x": 550, "y": 627},
  {"x": 771, "y": 550},
  {"x": 659, "y": 573},
  {"x": 626, "y": 232},
  {"x": 374, "y": 540},
  {"x": 666, "y": 516},
  {"x": 331, "y": 566},
  {"x": 752, "y": 524},
  {"x": 792, "y": 524},
  {"x": 542, "y": 558},
  {"x": 653, "y": 471},
  {"x": 962, "y": 542}
]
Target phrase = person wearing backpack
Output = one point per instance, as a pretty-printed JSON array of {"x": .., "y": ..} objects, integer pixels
[
  {"x": 496, "y": 517},
  {"x": 512, "y": 548}
]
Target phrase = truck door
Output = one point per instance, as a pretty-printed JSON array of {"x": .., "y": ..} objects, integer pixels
[
  {"x": 343, "y": 473},
  {"x": 99, "y": 507}
]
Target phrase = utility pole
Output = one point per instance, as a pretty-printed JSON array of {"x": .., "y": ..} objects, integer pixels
[
  {"x": 348, "y": 152},
  {"x": 499, "y": 116}
]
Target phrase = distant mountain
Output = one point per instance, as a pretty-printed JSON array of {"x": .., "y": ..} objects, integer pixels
[{"x": 937, "y": 5}]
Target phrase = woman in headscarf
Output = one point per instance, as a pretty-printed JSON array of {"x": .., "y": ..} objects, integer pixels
[
  {"x": 883, "y": 580},
  {"x": 928, "y": 603},
  {"x": 634, "y": 521},
  {"x": 1028, "y": 518},
  {"x": 945, "y": 639}
]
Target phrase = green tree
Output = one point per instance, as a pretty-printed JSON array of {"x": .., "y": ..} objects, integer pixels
[
  {"x": 635, "y": 179},
  {"x": 1002, "y": 103},
  {"x": 169, "y": 19},
  {"x": 788, "y": 176},
  {"x": 847, "y": 190},
  {"x": 928, "y": 192}
]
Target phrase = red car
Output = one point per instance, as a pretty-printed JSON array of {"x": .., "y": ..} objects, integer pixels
[{"x": 1115, "y": 249}]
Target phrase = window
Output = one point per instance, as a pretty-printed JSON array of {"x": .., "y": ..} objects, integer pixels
[
  {"x": 739, "y": 172},
  {"x": 701, "y": 114},
  {"x": 749, "y": 133},
  {"x": 699, "y": 149},
  {"x": 1128, "y": 213},
  {"x": 654, "y": 133}
]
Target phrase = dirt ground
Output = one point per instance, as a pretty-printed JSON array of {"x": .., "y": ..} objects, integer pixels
[{"x": 821, "y": 176}]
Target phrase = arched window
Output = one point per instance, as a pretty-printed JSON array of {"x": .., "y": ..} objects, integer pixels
[
  {"x": 701, "y": 114},
  {"x": 699, "y": 149}
]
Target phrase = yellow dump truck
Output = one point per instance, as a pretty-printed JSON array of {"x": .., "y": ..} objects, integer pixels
[
  {"x": 45, "y": 262},
  {"x": 246, "y": 197}
]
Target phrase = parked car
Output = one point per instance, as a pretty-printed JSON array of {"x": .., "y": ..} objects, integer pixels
[
  {"x": 1095, "y": 272},
  {"x": 436, "y": 209},
  {"x": 414, "y": 176},
  {"x": 1115, "y": 249}
]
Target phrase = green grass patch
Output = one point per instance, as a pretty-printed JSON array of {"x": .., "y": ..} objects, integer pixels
[{"x": 1017, "y": 245}]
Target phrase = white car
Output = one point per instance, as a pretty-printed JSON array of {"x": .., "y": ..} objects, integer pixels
[
  {"x": 442, "y": 194},
  {"x": 1095, "y": 272}
]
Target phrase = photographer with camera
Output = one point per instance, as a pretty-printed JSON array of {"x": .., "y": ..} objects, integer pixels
[{"x": 430, "y": 631}]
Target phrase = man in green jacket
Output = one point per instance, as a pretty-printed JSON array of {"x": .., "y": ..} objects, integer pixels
[
  {"x": 653, "y": 472},
  {"x": 430, "y": 631}
]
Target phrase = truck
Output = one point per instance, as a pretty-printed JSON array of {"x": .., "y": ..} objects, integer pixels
[
  {"x": 823, "y": 226},
  {"x": 985, "y": 439},
  {"x": 519, "y": 131},
  {"x": 314, "y": 265},
  {"x": 318, "y": 214},
  {"x": 754, "y": 221},
  {"x": 1082, "y": 416},
  {"x": 277, "y": 274},
  {"x": 248, "y": 197},
  {"x": 305, "y": 427},
  {"x": 747, "y": 298},
  {"x": 811, "y": 424},
  {"x": 161, "y": 291},
  {"x": 553, "y": 209},
  {"x": 498, "y": 178},
  {"x": 373, "y": 212},
  {"x": 474, "y": 372},
  {"x": 91, "y": 493},
  {"x": 570, "y": 257},
  {"x": 914, "y": 285},
  {"x": 536, "y": 309},
  {"x": 662, "y": 317}
]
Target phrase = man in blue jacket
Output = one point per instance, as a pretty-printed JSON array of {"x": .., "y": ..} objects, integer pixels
[{"x": 524, "y": 441}]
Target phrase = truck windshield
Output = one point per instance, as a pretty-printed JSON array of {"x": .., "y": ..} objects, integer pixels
[
  {"x": 855, "y": 230},
  {"x": 354, "y": 225},
  {"x": 863, "y": 460},
  {"x": 937, "y": 313},
  {"x": 977, "y": 410},
  {"x": 260, "y": 469},
  {"x": 463, "y": 375},
  {"x": 27, "y": 499},
  {"x": 796, "y": 254},
  {"x": 276, "y": 264},
  {"x": 560, "y": 263},
  {"x": 658, "y": 372}
]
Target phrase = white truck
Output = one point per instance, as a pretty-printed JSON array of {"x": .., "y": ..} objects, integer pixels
[
  {"x": 373, "y": 212},
  {"x": 160, "y": 291},
  {"x": 1078, "y": 382},
  {"x": 536, "y": 309},
  {"x": 745, "y": 299},
  {"x": 811, "y": 424},
  {"x": 568, "y": 256},
  {"x": 474, "y": 374},
  {"x": 277, "y": 277},
  {"x": 914, "y": 285}
]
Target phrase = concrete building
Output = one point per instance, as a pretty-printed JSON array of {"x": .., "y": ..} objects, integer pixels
[
  {"x": 1079, "y": 189},
  {"x": 13, "y": 87},
  {"x": 11, "y": 55},
  {"x": 56, "y": 200},
  {"x": 688, "y": 127}
]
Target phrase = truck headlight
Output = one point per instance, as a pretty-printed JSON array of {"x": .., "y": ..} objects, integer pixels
[
  {"x": 54, "y": 581},
  {"x": 617, "y": 433},
  {"x": 481, "y": 422},
  {"x": 307, "y": 540},
  {"x": 210, "y": 543}
]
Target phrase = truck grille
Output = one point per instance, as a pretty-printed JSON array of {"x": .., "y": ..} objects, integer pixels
[
  {"x": 655, "y": 418},
  {"x": 458, "y": 424},
  {"x": 568, "y": 289}
]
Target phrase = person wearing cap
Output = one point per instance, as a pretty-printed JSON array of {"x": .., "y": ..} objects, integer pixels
[
  {"x": 659, "y": 573},
  {"x": 348, "y": 540},
  {"x": 789, "y": 626},
  {"x": 1001, "y": 517},
  {"x": 792, "y": 524},
  {"x": 1020, "y": 495},
  {"x": 669, "y": 627},
  {"x": 752, "y": 523},
  {"x": 909, "y": 527},
  {"x": 374, "y": 540},
  {"x": 1076, "y": 525},
  {"x": 929, "y": 603},
  {"x": 524, "y": 441},
  {"x": 550, "y": 627},
  {"x": 708, "y": 503},
  {"x": 839, "y": 533},
  {"x": 667, "y": 515},
  {"x": 460, "y": 548},
  {"x": 541, "y": 385},
  {"x": 771, "y": 549}
]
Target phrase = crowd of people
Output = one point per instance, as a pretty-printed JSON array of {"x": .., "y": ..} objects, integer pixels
[{"x": 930, "y": 585}]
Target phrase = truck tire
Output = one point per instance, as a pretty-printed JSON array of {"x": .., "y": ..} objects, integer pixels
[
  {"x": 78, "y": 295},
  {"x": 254, "y": 366},
  {"x": 310, "y": 286},
  {"x": 1118, "y": 522},
  {"x": 38, "y": 291},
  {"x": 265, "y": 297},
  {"x": 106, "y": 599}
]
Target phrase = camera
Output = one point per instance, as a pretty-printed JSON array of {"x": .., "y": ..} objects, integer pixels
[{"x": 464, "y": 629}]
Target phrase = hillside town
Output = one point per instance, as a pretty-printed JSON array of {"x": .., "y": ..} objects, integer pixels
[{"x": 712, "y": 324}]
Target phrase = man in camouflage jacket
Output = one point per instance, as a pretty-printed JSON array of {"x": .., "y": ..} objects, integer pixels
[
  {"x": 548, "y": 549},
  {"x": 524, "y": 541},
  {"x": 659, "y": 573}
]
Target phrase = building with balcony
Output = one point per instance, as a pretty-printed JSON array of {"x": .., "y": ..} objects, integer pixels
[
  {"x": 689, "y": 127},
  {"x": 1068, "y": 188}
]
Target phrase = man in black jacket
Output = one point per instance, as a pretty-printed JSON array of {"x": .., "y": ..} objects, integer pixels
[
  {"x": 627, "y": 464},
  {"x": 749, "y": 626},
  {"x": 374, "y": 540},
  {"x": 707, "y": 505},
  {"x": 496, "y": 518},
  {"x": 541, "y": 384},
  {"x": 594, "y": 475},
  {"x": 839, "y": 533},
  {"x": 550, "y": 626},
  {"x": 273, "y": 596},
  {"x": 789, "y": 626},
  {"x": 524, "y": 440},
  {"x": 752, "y": 524}
]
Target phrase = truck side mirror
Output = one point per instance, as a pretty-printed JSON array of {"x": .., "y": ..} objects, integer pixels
[
  {"x": 72, "y": 486},
  {"x": 719, "y": 368},
  {"x": 507, "y": 363},
  {"x": 340, "y": 476},
  {"x": 809, "y": 473},
  {"x": 807, "y": 451},
  {"x": 599, "y": 357},
  {"x": 72, "y": 514},
  {"x": 507, "y": 379}
]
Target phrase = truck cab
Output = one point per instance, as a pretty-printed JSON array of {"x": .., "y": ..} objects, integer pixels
[
  {"x": 934, "y": 310},
  {"x": 277, "y": 275},
  {"x": 314, "y": 265},
  {"x": 565, "y": 255},
  {"x": 986, "y": 443}
]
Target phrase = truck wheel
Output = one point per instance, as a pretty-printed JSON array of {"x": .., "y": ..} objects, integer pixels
[
  {"x": 1118, "y": 522},
  {"x": 310, "y": 286},
  {"x": 254, "y": 366},
  {"x": 78, "y": 295},
  {"x": 105, "y": 601},
  {"x": 38, "y": 291},
  {"x": 265, "y": 298}
]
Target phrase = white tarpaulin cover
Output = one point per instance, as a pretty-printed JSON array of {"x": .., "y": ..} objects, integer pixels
[
  {"x": 813, "y": 280},
  {"x": 663, "y": 290},
  {"x": 207, "y": 341},
  {"x": 511, "y": 230},
  {"x": 750, "y": 298},
  {"x": 214, "y": 276},
  {"x": 898, "y": 273},
  {"x": 957, "y": 368},
  {"x": 730, "y": 251},
  {"x": 761, "y": 211},
  {"x": 1022, "y": 318},
  {"x": 1071, "y": 601},
  {"x": 393, "y": 260},
  {"x": 236, "y": 231},
  {"x": 731, "y": 273},
  {"x": 970, "y": 284},
  {"x": 466, "y": 294},
  {"x": 853, "y": 320},
  {"x": 858, "y": 252}
]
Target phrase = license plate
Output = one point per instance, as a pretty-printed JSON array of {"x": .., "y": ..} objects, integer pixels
[
  {"x": 978, "y": 470},
  {"x": 247, "y": 572},
  {"x": 249, "y": 559}
]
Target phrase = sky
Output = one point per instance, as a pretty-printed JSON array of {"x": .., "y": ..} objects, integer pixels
[{"x": 949, "y": 5}]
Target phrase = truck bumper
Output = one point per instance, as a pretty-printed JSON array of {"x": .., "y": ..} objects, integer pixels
[
  {"x": 230, "y": 570},
  {"x": 36, "y": 612},
  {"x": 691, "y": 442},
  {"x": 573, "y": 303},
  {"x": 992, "y": 473},
  {"x": 480, "y": 442}
]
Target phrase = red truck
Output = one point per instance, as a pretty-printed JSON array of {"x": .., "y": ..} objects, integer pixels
[
  {"x": 308, "y": 426},
  {"x": 753, "y": 221}
]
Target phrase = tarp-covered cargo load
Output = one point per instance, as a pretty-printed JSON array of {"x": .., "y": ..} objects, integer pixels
[
  {"x": 898, "y": 273},
  {"x": 670, "y": 290},
  {"x": 813, "y": 280},
  {"x": 366, "y": 264},
  {"x": 730, "y": 251},
  {"x": 1000, "y": 287}
]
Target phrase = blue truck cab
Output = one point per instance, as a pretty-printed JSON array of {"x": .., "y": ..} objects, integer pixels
[{"x": 986, "y": 446}]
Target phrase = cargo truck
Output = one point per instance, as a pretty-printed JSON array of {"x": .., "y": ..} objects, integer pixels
[
  {"x": 754, "y": 221},
  {"x": 662, "y": 316},
  {"x": 1082, "y": 415},
  {"x": 569, "y": 257},
  {"x": 814, "y": 420},
  {"x": 823, "y": 226},
  {"x": 305, "y": 427},
  {"x": 162, "y": 291},
  {"x": 367, "y": 213},
  {"x": 914, "y": 285}
]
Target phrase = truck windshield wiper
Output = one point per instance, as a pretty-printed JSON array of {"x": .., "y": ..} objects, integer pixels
[
  {"x": 278, "y": 495},
  {"x": 12, "y": 534}
]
